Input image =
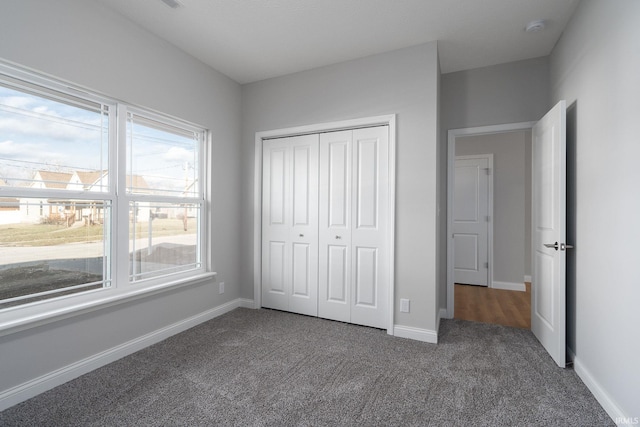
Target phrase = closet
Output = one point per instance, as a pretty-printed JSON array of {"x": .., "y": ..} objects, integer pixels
[{"x": 325, "y": 225}]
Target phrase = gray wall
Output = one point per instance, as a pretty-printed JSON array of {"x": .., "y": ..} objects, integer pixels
[
  {"x": 506, "y": 93},
  {"x": 509, "y": 199},
  {"x": 402, "y": 82},
  {"x": 84, "y": 43},
  {"x": 595, "y": 68}
]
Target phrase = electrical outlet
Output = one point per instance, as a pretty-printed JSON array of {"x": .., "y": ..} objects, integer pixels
[
  {"x": 404, "y": 305},
  {"x": 221, "y": 287}
]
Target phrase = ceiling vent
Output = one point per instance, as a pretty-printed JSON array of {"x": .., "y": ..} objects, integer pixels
[
  {"x": 173, "y": 4},
  {"x": 535, "y": 26}
]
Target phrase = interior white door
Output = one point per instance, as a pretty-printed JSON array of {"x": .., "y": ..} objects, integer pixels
[
  {"x": 369, "y": 237},
  {"x": 548, "y": 284},
  {"x": 334, "y": 301},
  {"x": 276, "y": 224},
  {"x": 471, "y": 220},
  {"x": 353, "y": 235},
  {"x": 290, "y": 224}
]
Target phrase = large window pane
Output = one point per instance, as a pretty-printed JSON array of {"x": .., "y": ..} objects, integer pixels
[
  {"x": 66, "y": 175},
  {"x": 51, "y": 247},
  {"x": 162, "y": 159},
  {"x": 52, "y": 143},
  {"x": 163, "y": 239}
]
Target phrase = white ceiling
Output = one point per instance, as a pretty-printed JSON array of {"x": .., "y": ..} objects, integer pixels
[{"x": 251, "y": 40}]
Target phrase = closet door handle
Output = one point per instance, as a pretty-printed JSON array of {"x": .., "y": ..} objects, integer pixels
[
  {"x": 302, "y": 235},
  {"x": 338, "y": 237}
]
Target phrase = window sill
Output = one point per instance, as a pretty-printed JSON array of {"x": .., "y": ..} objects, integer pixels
[{"x": 54, "y": 314}]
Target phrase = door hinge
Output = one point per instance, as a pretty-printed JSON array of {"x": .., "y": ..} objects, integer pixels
[
  {"x": 488, "y": 218},
  {"x": 486, "y": 265},
  {"x": 488, "y": 171}
]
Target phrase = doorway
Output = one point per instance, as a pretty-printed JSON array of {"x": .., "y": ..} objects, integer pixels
[{"x": 506, "y": 298}]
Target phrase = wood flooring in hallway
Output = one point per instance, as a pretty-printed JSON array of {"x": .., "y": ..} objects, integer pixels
[{"x": 488, "y": 305}]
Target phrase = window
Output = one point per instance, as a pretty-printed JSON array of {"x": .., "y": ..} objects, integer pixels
[
  {"x": 164, "y": 196},
  {"x": 94, "y": 194}
]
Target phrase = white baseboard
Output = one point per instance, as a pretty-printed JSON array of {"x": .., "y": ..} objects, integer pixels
[
  {"x": 509, "y": 286},
  {"x": 246, "y": 303},
  {"x": 417, "y": 334},
  {"x": 609, "y": 405},
  {"x": 527, "y": 279},
  {"x": 60, "y": 376}
]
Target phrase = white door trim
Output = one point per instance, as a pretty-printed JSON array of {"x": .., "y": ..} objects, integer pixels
[
  {"x": 387, "y": 120},
  {"x": 451, "y": 157}
]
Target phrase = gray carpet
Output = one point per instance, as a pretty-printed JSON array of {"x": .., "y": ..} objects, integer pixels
[{"x": 268, "y": 368}]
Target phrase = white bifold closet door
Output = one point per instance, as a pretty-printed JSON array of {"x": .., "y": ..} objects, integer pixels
[
  {"x": 353, "y": 234},
  {"x": 325, "y": 225},
  {"x": 290, "y": 224}
]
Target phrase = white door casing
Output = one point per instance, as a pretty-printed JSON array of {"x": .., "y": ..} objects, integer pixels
[
  {"x": 471, "y": 219},
  {"x": 548, "y": 279},
  {"x": 290, "y": 224}
]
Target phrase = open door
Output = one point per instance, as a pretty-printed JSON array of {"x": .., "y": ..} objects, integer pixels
[{"x": 548, "y": 280}]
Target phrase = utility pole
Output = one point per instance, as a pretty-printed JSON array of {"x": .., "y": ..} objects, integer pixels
[
  {"x": 150, "y": 233},
  {"x": 186, "y": 188}
]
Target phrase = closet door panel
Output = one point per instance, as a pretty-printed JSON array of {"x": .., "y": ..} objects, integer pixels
[
  {"x": 366, "y": 183},
  {"x": 276, "y": 224},
  {"x": 277, "y": 186},
  {"x": 334, "y": 295},
  {"x": 276, "y": 268},
  {"x": 369, "y": 233},
  {"x": 337, "y": 185},
  {"x": 290, "y": 224},
  {"x": 335, "y": 222},
  {"x": 302, "y": 191},
  {"x": 304, "y": 229},
  {"x": 301, "y": 266},
  {"x": 337, "y": 274},
  {"x": 366, "y": 277}
]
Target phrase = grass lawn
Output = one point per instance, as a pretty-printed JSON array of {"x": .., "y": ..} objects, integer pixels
[{"x": 50, "y": 234}]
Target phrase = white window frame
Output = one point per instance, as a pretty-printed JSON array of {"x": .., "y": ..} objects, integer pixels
[
  {"x": 124, "y": 197},
  {"x": 32, "y": 314}
]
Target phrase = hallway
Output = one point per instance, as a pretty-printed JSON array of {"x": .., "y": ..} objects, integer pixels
[{"x": 498, "y": 306}]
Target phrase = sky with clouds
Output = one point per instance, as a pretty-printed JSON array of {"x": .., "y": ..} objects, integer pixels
[{"x": 37, "y": 133}]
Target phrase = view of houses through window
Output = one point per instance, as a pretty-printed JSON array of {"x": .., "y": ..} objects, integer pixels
[
  {"x": 163, "y": 188},
  {"x": 68, "y": 204}
]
